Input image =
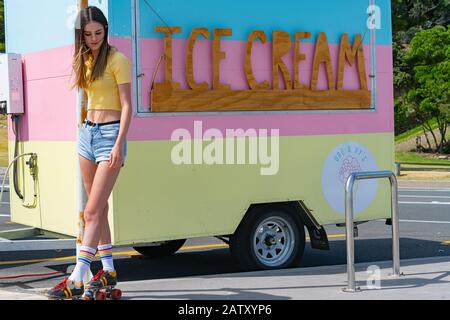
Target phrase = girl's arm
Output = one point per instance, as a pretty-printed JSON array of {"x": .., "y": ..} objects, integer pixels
[
  {"x": 116, "y": 156},
  {"x": 125, "y": 118},
  {"x": 84, "y": 103}
]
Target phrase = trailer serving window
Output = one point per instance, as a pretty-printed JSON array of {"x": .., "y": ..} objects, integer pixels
[{"x": 190, "y": 58}]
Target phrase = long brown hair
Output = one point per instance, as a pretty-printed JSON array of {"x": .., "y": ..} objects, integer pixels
[{"x": 84, "y": 54}]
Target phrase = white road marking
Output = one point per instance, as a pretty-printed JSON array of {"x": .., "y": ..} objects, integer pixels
[
  {"x": 424, "y": 190},
  {"x": 4, "y": 215},
  {"x": 425, "y": 221},
  {"x": 412, "y": 196},
  {"x": 432, "y": 202}
]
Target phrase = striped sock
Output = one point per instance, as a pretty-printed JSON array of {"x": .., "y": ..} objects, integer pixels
[
  {"x": 85, "y": 257},
  {"x": 105, "y": 252}
]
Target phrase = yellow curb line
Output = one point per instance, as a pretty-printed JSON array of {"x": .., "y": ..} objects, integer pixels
[{"x": 220, "y": 245}]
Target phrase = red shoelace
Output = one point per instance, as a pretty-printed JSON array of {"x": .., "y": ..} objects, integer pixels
[
  {"x": 98, "y": 275},
  {"x": 62, "y": 284}
]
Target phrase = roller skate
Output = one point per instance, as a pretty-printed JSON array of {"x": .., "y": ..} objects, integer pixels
[
  {"x": 102, "y": 287},
  {"x": 66, "y": 290}
]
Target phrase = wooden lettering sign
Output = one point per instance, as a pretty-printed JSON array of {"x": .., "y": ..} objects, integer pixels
[
  {"x": 281, "y": 45},
  {"x": 217, "y": 57},
  {"x": 169, "y": 97},
  {"x": 349, "y": 53},
  {"x": 322, "y": 55},
  {"x": 257, "y": 34},
  {"x": 168, "y": 32},
  {"x": 190, "y": 59},
  {"x": 299, "y": 57}
]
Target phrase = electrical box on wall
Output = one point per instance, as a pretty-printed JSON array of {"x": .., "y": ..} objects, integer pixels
[{"x": 11, "y": 84}]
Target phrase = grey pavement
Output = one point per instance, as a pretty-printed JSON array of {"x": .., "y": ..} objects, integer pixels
[{"x": 422, "y": 279}]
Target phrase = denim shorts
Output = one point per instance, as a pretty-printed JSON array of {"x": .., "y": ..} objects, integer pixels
[{"x": 96, "y": 141}]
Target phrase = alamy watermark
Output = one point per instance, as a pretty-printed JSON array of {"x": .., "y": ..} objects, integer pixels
[
  {"x": 235, "y": 147},
  {"x": 374, "y": 279},
  {"x": 374, "y": 20},
  {"x": 72, "y": 14}
]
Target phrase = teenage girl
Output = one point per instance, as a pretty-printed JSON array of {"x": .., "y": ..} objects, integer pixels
[{"x": 104, "y": 74}]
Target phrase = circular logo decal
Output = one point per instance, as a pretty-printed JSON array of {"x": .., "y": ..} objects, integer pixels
[{"x": 344, "y": 160}]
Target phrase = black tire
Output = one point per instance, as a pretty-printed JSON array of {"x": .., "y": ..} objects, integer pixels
[
  {"x": 269, "y": 237},
  {"x": 162, "y": 250}
]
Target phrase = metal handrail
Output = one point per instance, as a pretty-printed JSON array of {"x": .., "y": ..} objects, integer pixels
[{"x": 351, "y": 286}]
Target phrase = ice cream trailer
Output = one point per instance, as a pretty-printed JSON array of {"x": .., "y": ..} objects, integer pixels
[{"x": 249, "y": 117}]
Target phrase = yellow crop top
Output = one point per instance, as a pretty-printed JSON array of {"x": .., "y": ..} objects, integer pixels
[{"x": 103, "y": 93}]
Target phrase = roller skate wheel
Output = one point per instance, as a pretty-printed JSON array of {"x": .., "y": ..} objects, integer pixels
[
  {"x": 88, "y": 295},
  {"x": 100, "y": 295},
  {"x": 116, "y": 294}
]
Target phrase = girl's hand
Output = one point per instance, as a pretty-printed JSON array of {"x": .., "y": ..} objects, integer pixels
[{"x": 116, "y": 157}]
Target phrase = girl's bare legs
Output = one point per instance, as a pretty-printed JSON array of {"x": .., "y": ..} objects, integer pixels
[
  {"x": 90, "y": 174},
  {"x": 95, "y": 212},
  {"x": 105, "y": 237},
  {"x": 88, "y": 170}
]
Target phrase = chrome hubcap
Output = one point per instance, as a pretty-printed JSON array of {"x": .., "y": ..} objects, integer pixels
[{"x": 273, "y": 242}]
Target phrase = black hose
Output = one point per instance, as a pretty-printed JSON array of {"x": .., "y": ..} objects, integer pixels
[{"x": 15, "y": 178}]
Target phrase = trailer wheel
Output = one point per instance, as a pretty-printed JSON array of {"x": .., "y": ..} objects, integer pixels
[
  {"x": 165, "y": 249},
  {"x": 269, "y": 237}
]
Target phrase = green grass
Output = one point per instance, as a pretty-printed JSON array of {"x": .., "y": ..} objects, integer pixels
[
  {"x": 414, "y": 158},
  {"x": 410, "y": 134}
]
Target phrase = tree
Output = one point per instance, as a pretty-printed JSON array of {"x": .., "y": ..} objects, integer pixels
[
  {"x": 408, "y": 18},
  {"x": 429, "y": 96},
  {"x": 411, "y": 16}
]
